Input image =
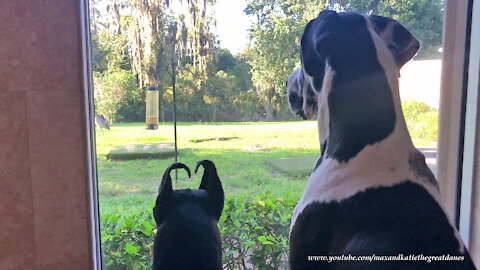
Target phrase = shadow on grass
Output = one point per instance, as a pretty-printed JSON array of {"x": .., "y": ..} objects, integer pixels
[{"x": 131, "y": 186}]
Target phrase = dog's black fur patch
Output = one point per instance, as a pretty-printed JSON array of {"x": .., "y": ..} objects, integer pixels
[
  {"x": 323, "y": 146},
  {"x": 401, "y": 219},
  {"x": 380, "y": 22},
  {"x": 187, "y": 233},
  {"x": 296, "y": 101}
]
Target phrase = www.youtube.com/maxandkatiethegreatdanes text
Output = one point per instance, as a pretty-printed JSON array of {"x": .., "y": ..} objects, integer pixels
[{"x": 374, "y": 257}]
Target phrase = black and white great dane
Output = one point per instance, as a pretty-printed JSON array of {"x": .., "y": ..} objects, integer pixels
[{"x": 371, "y": 193}]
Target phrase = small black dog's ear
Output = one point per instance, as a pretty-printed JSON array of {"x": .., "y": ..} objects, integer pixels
[
  {"x": 315, "y": 45},
  {"x": 213, "y": 186},
  {"x": 165, "y": 193},
  {"x": 398, "y": 39}
]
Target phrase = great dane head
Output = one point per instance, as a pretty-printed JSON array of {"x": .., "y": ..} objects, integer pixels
[
  {"x": 349, "y": 76},
  {"x": 302, "y": 102},
  {"x": 302, "y": 99},
  {"x": 187, "y": 233}
]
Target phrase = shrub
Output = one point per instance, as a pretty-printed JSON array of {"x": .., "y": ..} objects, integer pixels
[
  {"x": 412, "y": 108},
  {"x": 127, "y": 242},
  {"x": 422, "y": 121},
  {"x": 254, "y": 230},
  {"x": 426, "y": 126},
  {"x": 114, "y": 89}
]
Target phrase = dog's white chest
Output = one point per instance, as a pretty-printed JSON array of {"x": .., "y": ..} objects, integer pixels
[{"x": 381, "y": 164}]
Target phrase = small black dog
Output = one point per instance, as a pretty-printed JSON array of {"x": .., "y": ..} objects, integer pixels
[{"x": 187, "y": 232}]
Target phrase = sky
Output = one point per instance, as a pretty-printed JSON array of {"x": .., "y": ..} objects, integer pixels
[{"x": 232, "y": 24}]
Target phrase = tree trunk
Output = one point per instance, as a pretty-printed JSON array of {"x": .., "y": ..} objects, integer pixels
[
  {"x": 268, "y": 109},
  {"x": 214, "y": 116}
]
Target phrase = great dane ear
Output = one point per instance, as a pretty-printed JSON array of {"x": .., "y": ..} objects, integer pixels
[
  {"x": 302, "y": 100},
  {"x": 310, "y": 102},
  {"x": 398, "y": 39},
  {"x": 212, "y": 185},
  {"x": 165, "y": 193},
  {"x": 295, "y": 92},
  {"x": 315, "y": 46}
]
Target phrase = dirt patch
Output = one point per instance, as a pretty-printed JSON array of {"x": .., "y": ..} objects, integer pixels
[
  {"x": 253, "y": 147},
  {"x": 213, "y": 139}
]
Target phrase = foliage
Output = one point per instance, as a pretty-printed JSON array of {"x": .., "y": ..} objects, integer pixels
[
  {"x": 274, "y": 52},
  {"x": 426, "y": 126},
  {"x": 221, "y": 93},
  {"x": 423, "y": 17},
  {"x": 422, "y": 121},
  {"x": 254, "y": 234},
  {"x": 135, "y": 37},
  {"x": 127, "y": 241},
  {"x": 255, "y": 231},
  {"x": 114, "y": 89},
  {"x": 412, "y": 108},
  {"x": 99, "y": 54}
]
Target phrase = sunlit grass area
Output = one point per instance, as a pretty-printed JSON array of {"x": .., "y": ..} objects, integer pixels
[
  {"x": 127, "y": 187},
  {"x": 242, "y": 157}
]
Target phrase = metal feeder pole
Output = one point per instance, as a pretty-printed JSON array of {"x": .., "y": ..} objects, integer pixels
[{"x": 174, "y": 106}]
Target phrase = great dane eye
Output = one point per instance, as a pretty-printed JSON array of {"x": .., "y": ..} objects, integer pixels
[{"x": 393, "y": 47}]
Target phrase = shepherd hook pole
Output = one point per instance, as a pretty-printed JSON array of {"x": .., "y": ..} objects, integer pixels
[{"x": 174, "y": 108}]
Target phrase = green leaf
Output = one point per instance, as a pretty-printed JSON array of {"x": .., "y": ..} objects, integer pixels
[
  {"x": 131, "y": 249},
  {"x": 236, "y": 223}
]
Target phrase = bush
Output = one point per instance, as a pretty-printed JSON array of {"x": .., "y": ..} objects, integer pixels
[
  {"x": 412, "y": 108},
  {"x": 422, "y": 121},
  {"x": 426, "y": 126},
  {"x": 115, "y": 89},
  {"x": 127, "y": 242},
  {"x": 254, "y": 230}
]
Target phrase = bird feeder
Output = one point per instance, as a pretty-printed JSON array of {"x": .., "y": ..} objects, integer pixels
[{"x": 151, "y": 114}]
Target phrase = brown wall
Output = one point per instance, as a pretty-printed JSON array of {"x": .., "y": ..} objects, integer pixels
[{"x": 43, "y": 172}]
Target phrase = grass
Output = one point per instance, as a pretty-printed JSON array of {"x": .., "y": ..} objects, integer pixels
[
  {"x": 249, "y": 157},
  {"x": 295, "y": 166},
  {"x": 127, "y": 187},
  {"x": 142, "y": 151}
]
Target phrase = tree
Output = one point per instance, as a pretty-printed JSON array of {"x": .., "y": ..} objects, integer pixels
[
  {"x": 274, "y": 52},
  {"x": 218, "y": 90},
  {"x": 224, "y": 60},
  {"x": 136, "y": 36},
  {"x": 113, "y": 89}
]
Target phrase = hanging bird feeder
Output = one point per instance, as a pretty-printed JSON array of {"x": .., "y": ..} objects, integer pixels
[{"x": 151, "y": 114}]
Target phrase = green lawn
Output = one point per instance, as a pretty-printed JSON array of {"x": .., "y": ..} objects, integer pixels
[
  {"x": 249, "y": 157},
  {"x": 127, "y": 187}
]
